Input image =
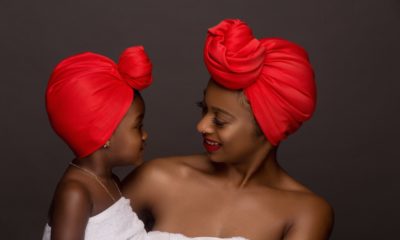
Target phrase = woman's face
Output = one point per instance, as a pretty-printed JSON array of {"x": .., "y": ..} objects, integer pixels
[
  {"x": 127, "y": 142},
  {"x": 227, "y": 126}
]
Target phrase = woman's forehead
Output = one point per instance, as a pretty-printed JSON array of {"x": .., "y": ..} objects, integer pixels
[{"x": 225, "y": 99}]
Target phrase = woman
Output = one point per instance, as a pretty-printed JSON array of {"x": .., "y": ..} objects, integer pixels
[{"x": 260, "y": 91}]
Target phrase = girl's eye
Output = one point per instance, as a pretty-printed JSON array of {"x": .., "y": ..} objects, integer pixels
[{"x": 218, "y": 123}]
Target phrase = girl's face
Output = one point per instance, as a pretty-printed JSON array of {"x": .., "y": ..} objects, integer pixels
[
  {"x": 227, "y": 126},
  {"x": 127, "y": 142}
]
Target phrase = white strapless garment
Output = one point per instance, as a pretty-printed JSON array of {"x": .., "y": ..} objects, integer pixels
[
  {"x": 158, "y": 235},
  {"x": 117, "y": 222}
]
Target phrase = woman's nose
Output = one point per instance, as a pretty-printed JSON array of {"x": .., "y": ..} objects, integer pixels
[{"x": 204, "y": 126}]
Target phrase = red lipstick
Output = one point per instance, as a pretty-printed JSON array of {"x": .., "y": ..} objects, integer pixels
[{"x": 211, "y": 145}]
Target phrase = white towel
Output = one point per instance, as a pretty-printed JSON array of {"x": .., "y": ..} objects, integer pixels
[
  {"x": 158, "y": 235},
  {"x": 117, "y": 222}
]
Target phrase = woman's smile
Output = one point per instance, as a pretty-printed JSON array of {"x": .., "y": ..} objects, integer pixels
[{"x": 211, "y": 145}]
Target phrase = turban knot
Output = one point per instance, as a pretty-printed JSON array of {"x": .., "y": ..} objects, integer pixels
[
  {"x": 233, "y": 55},
  {"x": 275, "y": 75}
]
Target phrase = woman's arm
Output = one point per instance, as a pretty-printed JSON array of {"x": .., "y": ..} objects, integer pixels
[
  {"x": 145, "y": 187},
  {"x": 72, "y": 207},
  {"x": 137, "y": 186},
  {"x": 314, "y": 221},
  {"x": 148, "y": 182}
]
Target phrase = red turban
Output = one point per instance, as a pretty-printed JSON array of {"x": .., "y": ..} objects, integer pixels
[
  {"x": 88, "y": 95},
  {"x": 275, "y": 75}
]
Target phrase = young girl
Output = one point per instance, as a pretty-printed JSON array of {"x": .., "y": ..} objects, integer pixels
[{"x": 95, "y": 107}]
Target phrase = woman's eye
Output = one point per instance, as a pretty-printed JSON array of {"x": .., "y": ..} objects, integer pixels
[
  {"x": 218, "y": 123},
  {"x": 202, "y": 106}
]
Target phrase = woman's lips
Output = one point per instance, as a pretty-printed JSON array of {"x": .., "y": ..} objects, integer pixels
[{"x": 210, "y": 145}]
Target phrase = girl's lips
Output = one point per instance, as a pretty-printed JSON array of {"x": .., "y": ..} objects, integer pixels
[
  {"x": 210, "y": 145},
  {"x": 142, "y": 147}
]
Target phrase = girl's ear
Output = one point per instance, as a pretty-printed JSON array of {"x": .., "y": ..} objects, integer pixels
[{"x": 107, "y": 144}]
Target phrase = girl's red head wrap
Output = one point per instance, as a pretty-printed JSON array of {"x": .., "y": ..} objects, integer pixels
[{"x": 88, "y": 95}]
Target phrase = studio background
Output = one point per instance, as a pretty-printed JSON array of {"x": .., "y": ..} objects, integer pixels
[{"x": 348, "y": 152}]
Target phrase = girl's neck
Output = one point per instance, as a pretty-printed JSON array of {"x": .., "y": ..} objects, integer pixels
[{"x": 98, "y": 165}]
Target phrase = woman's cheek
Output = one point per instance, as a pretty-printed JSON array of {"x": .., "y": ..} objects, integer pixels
[
  {"x": 228, "y": 134},
  {"x": 236, "y": 139}
]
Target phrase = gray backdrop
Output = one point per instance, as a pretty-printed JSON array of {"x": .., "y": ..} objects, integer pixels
[{"x": 347, "y": 153}]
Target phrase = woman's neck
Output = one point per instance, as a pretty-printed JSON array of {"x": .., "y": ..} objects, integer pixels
[{"x": 260, "y": 167}]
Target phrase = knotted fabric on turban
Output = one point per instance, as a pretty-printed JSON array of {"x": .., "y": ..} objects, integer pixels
[
  {"x": 275, "y": 75},
  {"x": 88, "y": 95}
]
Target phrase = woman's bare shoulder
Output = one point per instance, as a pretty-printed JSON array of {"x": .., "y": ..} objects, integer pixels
[
  {"x": 299, "y": 201},
  {"x": 162, "y": 171},
  {"x": 308, "y": 202},
  {"x": 313, "y": 217},
  {"x": 303, "y": 196},
  {"x": 308, "y": 210}
]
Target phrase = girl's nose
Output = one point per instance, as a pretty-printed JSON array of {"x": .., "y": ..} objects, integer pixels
[{"x": 145, "y": 135}]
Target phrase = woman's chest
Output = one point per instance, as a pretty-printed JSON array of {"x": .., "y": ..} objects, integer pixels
[{"x": 221, "y": 213}]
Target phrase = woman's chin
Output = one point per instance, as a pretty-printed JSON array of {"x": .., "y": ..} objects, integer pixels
[{"x": 215, "y": 157}]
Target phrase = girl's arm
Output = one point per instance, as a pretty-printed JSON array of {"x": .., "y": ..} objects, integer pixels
[{"x": 72, "y": 207}]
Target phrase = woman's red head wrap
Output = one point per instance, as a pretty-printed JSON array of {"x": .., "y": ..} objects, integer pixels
[
  {"x": 275, "y": 75},
  {"x": 88, "y": 95}
]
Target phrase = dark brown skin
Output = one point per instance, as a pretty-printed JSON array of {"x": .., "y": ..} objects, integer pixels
[
  {"x": 239, "y": 190},
  {"x": 78, "y": 195}
]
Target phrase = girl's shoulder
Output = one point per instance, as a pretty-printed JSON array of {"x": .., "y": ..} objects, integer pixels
[
  {"x": 72, "y": 199},
  {"x": 72, "y": 185},
  {"x": 71, "y": 188}
]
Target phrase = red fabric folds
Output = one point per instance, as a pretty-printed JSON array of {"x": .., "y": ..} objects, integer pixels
[
  {"x": 275, "y": 75},
  {"x": 88, "y": 95}
]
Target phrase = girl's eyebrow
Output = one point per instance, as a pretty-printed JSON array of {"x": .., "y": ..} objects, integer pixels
[{"x": 140, "y": 117}]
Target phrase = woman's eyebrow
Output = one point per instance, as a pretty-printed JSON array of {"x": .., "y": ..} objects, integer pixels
[{"x": 217, "y": 109}]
